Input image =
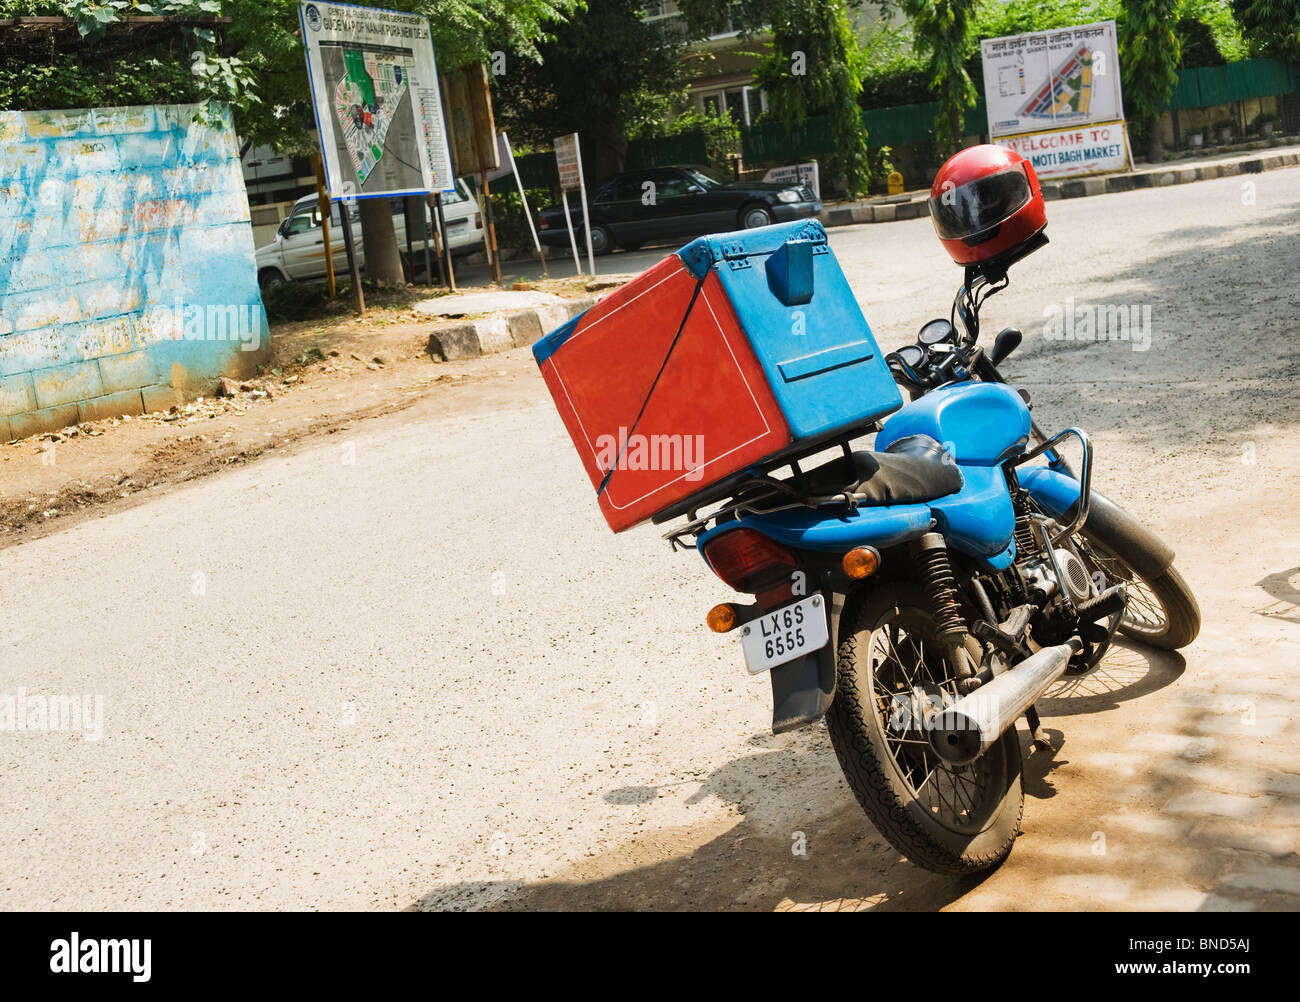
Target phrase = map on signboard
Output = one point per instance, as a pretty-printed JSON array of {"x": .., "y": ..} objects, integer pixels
[
  {"x": 369, "y": 91},
  {"x": 1067, "y": 93}
]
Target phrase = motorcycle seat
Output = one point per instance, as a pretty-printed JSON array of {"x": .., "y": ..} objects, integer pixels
[{"x": 911, "y": 470}]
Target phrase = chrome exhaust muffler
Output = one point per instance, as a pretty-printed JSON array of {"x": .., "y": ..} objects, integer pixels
[{"x": 968, "y": 728}]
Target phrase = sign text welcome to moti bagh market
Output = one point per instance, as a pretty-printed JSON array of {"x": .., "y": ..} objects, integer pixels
[
  {"x": 1054, "y": 97},
  {"x": 374, "y": 85}
]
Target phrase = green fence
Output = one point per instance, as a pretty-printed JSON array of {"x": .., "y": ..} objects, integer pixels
[
  {"x": 1207, "y": 86},
  {"x": 896, "y": 126},
  {"x": 770, "y": 142},
  {"x": 687, "y": 148}
]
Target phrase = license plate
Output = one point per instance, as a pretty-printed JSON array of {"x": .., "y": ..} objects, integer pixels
[{"x": 784, "y": 634}]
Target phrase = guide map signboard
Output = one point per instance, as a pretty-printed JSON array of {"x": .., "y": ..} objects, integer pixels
[{"x": 374, "y": 83}]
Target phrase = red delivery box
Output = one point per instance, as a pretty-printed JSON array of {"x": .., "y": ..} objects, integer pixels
[{"x": 739, "y": 351}]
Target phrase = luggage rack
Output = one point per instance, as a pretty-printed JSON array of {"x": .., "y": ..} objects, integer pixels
[{"x": 754, "y": 505}]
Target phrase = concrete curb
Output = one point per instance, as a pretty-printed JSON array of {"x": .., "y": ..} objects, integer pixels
[
  {"x": 887, "y": 212},
  {"x": 501, "y": 331}
]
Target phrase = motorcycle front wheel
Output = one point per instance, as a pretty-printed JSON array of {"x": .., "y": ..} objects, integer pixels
[
  {"x": 1162, "y": 611},
  {"x": 889, "y": 665}
]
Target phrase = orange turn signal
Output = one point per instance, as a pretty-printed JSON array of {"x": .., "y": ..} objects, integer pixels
[
  {"x": 723, "y": 618},
  {"x": 860, "y": 562}
]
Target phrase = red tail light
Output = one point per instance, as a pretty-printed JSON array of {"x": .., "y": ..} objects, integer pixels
[
  {"x": 749, "y": 561},
  {"x": 478, "y": 220},
  {"x": 543, "y": 223}
]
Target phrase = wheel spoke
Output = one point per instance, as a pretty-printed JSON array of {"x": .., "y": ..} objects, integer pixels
[{"x": 906, "y": 663}]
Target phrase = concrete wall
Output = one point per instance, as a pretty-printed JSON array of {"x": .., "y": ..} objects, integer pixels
[{"x": 126, "y": 264}]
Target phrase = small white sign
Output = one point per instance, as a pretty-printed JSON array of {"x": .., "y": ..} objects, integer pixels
[
  {"x": 503, "y": 158},
  {"x": 784, "y": 634},
  {"x": 566, "y": 159},
  {"x": 796, "y": 174}
]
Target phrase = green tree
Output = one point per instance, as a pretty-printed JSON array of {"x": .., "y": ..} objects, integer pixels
[
  {"x": 812, "y": 66},
  {"x": 943, "y": 31},
  {"x": 256, "y": 65},
  {"x": 815, "y": 66},
  {"x": 1271, "y": 26},
  {"x": 1149, "y": 56},
  {"x": 605, "y": 73}
]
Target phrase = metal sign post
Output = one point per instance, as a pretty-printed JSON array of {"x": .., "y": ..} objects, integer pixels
[
  {"x": 345, "y": 211},
  {"x": 523, "y": 200},
  {"x": 586, "y": 211},
  {"x": 324, "y": 205},
  {"x": 437, "y": 240},
  {"x": 568, "y": 160},
  {"x": 446, "y": 246},
  {"x": 490, "y": 222},
  {"x": 568, "y": 221}
]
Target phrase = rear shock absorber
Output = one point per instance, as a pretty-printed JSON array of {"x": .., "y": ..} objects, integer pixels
[{"x": 940, "y": 586}]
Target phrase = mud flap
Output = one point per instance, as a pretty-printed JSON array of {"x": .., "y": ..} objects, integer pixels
[{"x": 802, "y": 690}]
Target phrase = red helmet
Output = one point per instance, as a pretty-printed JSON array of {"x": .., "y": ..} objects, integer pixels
[{"x": 986, "y": 206}]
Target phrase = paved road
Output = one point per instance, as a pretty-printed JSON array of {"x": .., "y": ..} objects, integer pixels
[{"x": 413, "y": 669}]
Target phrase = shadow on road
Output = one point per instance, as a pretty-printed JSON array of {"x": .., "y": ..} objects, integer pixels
[
  {"x": 1128, "y": 671},
  {"x": 1221, "y": 360},
  {"x": 748, "y": 865},
  {"x": 1285, "y": 595}
]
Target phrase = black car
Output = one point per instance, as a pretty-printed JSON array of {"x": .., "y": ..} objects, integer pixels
[{"x": 663, "y": 202}]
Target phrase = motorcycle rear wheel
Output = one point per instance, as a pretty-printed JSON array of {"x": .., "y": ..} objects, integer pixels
[{"x": 951, "y": 820}]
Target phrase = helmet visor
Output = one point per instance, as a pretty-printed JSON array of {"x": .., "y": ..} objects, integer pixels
[{"x": 971, "y": 208}]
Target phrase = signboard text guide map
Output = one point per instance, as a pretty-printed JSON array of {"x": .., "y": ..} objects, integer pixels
[
  {"x": 1054, "y": 97},
  {"x": 375, "y": 90}
]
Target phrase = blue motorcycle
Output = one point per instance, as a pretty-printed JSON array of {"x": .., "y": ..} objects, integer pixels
[{"x": 924, "y": 595}]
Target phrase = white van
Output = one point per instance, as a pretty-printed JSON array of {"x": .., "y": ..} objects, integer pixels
[{"x": 297, "y": 254}]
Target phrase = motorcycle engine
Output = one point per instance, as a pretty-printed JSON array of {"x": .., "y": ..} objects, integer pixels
[{"x": 1039, "y": 575}]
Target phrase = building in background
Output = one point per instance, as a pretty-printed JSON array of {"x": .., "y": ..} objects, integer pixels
[{"x": 725, "y": 62}]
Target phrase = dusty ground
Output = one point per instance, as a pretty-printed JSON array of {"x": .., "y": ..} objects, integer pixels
[
  {"x": 325, "y": 375},
  {"x": 420, "y": 673}
]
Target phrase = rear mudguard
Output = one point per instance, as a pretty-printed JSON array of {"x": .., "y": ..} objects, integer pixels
[
  {"x": 802, "y": 690},
  {"x": 1057, "y": 494},
  {"x": 977, "y": 520}
]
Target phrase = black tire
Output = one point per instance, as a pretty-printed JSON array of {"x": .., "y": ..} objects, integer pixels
[
  {"x": 754, "y": 215},
  {"x": 883, "y": 778},
  {"x": 602, "y": 242},
  {"x": 269, "y": 278},
  {"x": 1162, "y": 610}
]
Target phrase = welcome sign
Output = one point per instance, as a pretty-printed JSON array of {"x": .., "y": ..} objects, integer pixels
[{"x": 1094, "y": 149}]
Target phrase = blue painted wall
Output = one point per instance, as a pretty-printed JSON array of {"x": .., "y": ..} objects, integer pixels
[{"x": 127, "y": 279}]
